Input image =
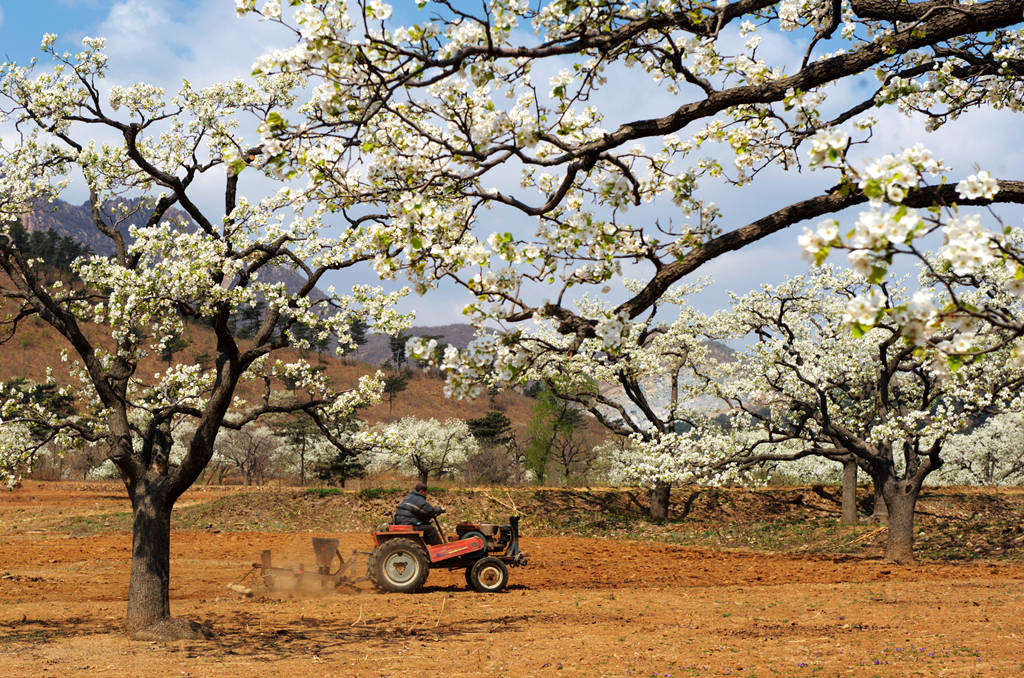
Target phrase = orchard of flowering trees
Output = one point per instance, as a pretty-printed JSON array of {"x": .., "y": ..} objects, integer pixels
[
  {"x": 451, "y": 119},
  {"x": 413, "y": 134},
  {"x": 424, "y": 448},
  {"x": 809, "y": 386},
  {"x": 989, "y": 454}
]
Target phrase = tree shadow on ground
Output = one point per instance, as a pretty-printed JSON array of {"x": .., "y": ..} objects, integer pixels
[
  {"x": 28, "y": 629},
  {"x": 250, "y": 635},
  {"x": 247, "y": 634}
]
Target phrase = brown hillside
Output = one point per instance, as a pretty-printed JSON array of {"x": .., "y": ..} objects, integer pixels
[{"x": 37, "y": 347}]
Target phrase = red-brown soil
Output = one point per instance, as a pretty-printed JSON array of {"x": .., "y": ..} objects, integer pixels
[{"x": 583, "y": 607}]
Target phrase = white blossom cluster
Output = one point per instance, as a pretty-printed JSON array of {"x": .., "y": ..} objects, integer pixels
[
  {"x": 986, "y": 455},
  {"x": 888, "y": 227},
  {"x": 419, "y": 446},
  {"x": 15, "y": 455},
  {"x": 680, "y": 459}
]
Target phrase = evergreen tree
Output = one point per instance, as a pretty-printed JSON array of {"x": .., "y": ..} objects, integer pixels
[{"x": 494, "y": 428}]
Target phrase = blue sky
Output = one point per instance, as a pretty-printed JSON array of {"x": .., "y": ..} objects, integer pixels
[
  {"x": 159, "y": 41},
  {"x": 165, "y": 41},
  {"x": 24, "y": 22}
]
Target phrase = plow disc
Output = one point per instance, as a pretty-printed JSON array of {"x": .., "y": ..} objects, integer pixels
[{"x": 332, "y": 570}]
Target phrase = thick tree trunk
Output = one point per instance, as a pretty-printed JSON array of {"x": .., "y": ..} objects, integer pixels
[
  {"x": 849, "y": 506},
  {"x": 149, "y": 608},
  {"x": 148, "y": 600},
  {"x": 659, "y": 501},
  {"x": 901, "y": 500}
]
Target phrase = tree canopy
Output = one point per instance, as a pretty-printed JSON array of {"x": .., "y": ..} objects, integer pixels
[{"x": 451, "y": 120}]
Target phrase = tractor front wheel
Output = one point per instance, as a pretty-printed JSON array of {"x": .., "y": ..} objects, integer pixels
[
  {"x": 399, "y": 566},
  {"x": 488, "y": 575}
]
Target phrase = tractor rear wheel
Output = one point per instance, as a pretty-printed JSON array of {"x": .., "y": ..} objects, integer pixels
[
  {"x": 476, "y": 533},
  {"x": 488, "y": 575},
  {"x": 399, "y": 566}
]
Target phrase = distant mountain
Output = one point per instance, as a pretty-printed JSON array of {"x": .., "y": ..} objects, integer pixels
[
  {"x": 721, "y": 352},
  {"x": 75, "y": 222}
]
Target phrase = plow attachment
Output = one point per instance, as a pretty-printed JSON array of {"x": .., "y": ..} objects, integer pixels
[{"x": 332, "y": 570}]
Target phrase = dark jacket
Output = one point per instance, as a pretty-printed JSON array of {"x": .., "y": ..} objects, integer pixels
[{"x": 414, "y": 509}]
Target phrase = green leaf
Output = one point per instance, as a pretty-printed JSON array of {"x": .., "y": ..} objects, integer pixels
[
  {"x": 877, "y": 275},
  {"x": 275, "y": 121},
  {"x": 859, "y": 330},
  {"x": 821, "y": 255},
  {"x": 955, "y": 362}
]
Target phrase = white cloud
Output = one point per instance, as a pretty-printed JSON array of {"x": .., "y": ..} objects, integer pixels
[{"x": 155, "y": 41}]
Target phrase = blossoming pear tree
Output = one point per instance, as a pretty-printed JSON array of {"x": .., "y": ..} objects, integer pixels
[
  {"x": 989, "y": 454},
  {"x": 137, "y": 150},
  {"x": 424, "y": 447},
  {"x": 807, "y": 379},
  {"x": 640, "y": 379},
  {"x": 609, "y": 125}
]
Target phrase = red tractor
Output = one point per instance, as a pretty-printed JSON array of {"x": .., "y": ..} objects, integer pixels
[{"x": 401, "y": 559}]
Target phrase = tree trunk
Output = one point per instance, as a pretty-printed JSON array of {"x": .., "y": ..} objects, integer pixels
[
  {"x": 899, "y": 546},
  {"x": 849, "y": 510},
  {"x": 148, "y": 599},
  {"x": 879, "y": 511},
  {"x": 659, "y": 501}
]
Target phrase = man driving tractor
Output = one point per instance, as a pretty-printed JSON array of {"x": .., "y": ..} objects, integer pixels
[{"x": 414, "y": 510}]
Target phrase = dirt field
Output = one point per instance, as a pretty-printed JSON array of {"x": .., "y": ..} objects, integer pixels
[{"x": 584, "y": 607}]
